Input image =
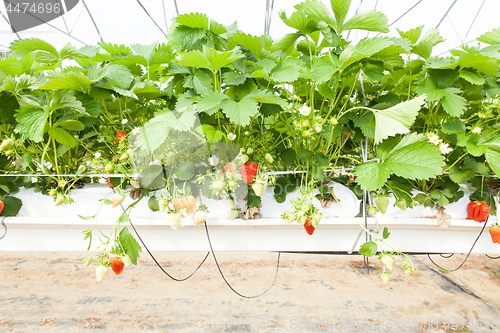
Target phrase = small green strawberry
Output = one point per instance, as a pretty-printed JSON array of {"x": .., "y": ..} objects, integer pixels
[
  {"x": 388, "y": 261},
  {"x": 385, "y": 276},
  {"x": 249, "y": 151},
  {"x": 269, "y": 158},
  {"x": 259, "y": 187},
  {"x": 234, "y": 214},
  {"x": 244, "y": 158},
  {"x": 100, "y": 272},
  {"x": 401, "y": 203},
  {"x": 7, "y": 144},
  {"x": 60, "y": 200},
  {"x": 317, "y": 128},
  {"x": 109, "y": 168},
  {"x": 382, "y": 202},
  {"x": 372, "y": 210}
]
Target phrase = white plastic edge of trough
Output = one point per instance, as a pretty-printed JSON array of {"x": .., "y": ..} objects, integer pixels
[{"x": 42, "y": 227}]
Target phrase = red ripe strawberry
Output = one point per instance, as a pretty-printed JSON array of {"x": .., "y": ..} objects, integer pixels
[
  {"x": 120, "y": 135},
  {"x": 249, "y": 171},
  {"x": 1, "y": 206},
  {"x": 495, "y": 233},
  {"x": 470, "y": 209},
  {"x": 483, "y": 211},
  {"x": 309, "y": 226},
  {"x": 117, "y": 265}
]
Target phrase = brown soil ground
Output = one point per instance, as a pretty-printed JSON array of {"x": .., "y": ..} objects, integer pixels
[{"x": 54, "y": 292}]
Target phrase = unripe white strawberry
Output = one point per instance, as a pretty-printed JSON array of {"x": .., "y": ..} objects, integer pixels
[
  {"x": 244, "y": 158},
  {"x": 100, "y": 272},
  {"x": 7, "y": 144},
  {"x": 162, "y": 205},
  {"x": 60, "y": 200},
  {"x": 117, "y": 199},
  {"x": 259, "y": 188},
  {"x": 126, "y": 260},
  {"x": 199, "y": 217},
  {"x": 218, "y": 185},
  {"x": 175, "y": 220},
  {"x": 385, "y": 276},
  {"x": 269, "y": 158},
  {"x": 234, "y": 214},
  {"x": 388, "y": 261}
]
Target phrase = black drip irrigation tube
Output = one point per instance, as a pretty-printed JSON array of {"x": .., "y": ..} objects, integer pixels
[
  {"x": 203, "y": 261},
  {"x": 473, "y": 245}
]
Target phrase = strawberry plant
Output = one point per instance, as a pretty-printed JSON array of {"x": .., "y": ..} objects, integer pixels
[{"x": 214, "y": 111}]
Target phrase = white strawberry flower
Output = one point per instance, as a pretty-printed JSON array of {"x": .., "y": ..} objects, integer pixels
[
  {"x": 124, "y": 121},
  {"x": 476, "y": 130},
  {"x": 136, "y": 130},
  {"x": 433, "y": 138},
  {"x": 445, "y": 149},
  {"x": 305, "y": 110},
  {"x": 290, "y": 106},
  {"x": 213, "y": 160},
  {"x": 231, "y": 136},
  {"x": 97, "y": 155}
]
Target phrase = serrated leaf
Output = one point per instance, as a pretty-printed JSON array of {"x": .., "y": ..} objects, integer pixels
[
  {"x": 185, "y": 171},
  {"x": 213, "y": 134},
  {"x": 286, "y": 70},
  {"x": 340, "y": 9},
  {"x": 130, "y": 245},
  {"x": 423, "y": 49},
  {"x": 453, "y": 126},
  {"x": 199, "y": 81},
  {"x": 419, "y": 160},
  {"x": 371, "y": 20},
  {"x": 144, "y": 50},
  {"x": 28, "y": 45},
  {"x": 62, "y": 136},
  {"x": 460, "y": 176},
  {"x": 371, "y": 175},
  {"x": 252, "y": 43},
  {"x": 61, "y": 99},
  {"x": 493, "y": 159},
  {"x": 123, "y": 218},
  {"x": 368, "y": 249},
  {"x": 234, "y": 78},
  {"x": 395, "y": 120},
  {"x": 71, "y": 125},
  {"x": 318, "y": 11},
  {"x": 321, "y": 159},
  {"x": 239, "y": 112},
  {"x": 323, "y": 71},
  {"x": 209, "y": 58},
  {"x": 365, "y": 48},
  {"x": 70, "y": 80},
  {"x": 286, "y": 43},
  {"x": 413, "y": 34},
  {"x": 265, "y": 96},
  {"x": 305, "y": 155},
  {"x": 31, "y": 122},
  {"x": 208, "y": 103},
  {"x": 193, "y": 20},
  {"x": 472, "y": 77},
  {"x": 150, "y": 174},
  {"x": 453, "y": 104},
  {"x": 490, "y": 37},
  {"x": 297, "y": 20}
]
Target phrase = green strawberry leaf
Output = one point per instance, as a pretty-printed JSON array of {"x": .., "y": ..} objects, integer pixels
[
  {"x": 240, "y": 112},
  {"x": 368, "y": 249},
  {"x": 31, "y": 122},
  {"x": 371, "y": 175},
  {"x": 62, "y": 136},
  {"x": 386, "y": 233},
  {"x": 130, "y": 245},
  {"x": 12, "y": 206}
]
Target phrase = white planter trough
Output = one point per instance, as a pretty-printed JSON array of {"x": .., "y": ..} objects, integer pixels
[{"x": 40, "y": 226}]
